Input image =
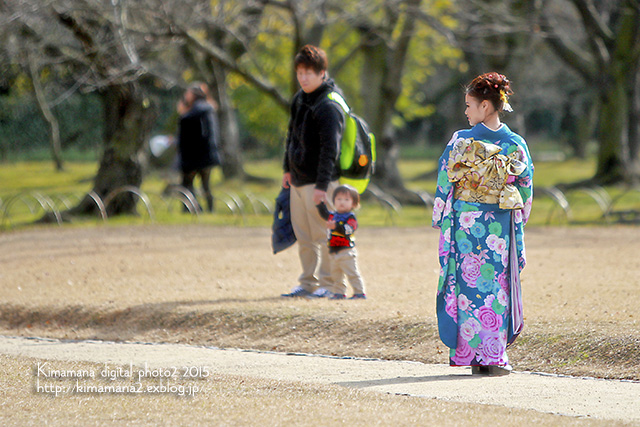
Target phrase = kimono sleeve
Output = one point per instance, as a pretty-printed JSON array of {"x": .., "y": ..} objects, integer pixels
[
  {"x": 524, "y": 181},
  {"x": 444, "y": 189}
]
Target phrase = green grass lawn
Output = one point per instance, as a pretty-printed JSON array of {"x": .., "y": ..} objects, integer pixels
[{"x": 25, "y": 187}]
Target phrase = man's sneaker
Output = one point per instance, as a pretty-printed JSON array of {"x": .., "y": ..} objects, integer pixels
[
  {"x": 298, "y": 291},
  {"x": 358, "y": 296},
  {"x": 337, "y": 296},
  {"x": 320, "y": 293}
]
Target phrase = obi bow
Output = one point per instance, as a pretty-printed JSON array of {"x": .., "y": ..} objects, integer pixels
[{"x": 481, "y": 174}]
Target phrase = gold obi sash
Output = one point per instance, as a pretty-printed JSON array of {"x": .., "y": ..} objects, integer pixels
[{"x": 480, "y": 173}]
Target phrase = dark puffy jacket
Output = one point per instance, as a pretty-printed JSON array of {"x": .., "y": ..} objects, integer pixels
[
  {"x": 198, "y": 138},
  {"x": 313, "y": 139}
]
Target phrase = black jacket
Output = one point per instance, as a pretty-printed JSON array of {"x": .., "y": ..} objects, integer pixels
[
  {"x": 313, "y": 139},
  {"x": 198, "y": 138}
]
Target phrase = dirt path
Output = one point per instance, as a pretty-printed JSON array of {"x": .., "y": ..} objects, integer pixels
[{"x": 570, "y": 396}]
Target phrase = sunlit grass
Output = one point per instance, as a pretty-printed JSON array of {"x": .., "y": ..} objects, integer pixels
[
  {"x": 26, "y": 186},
  {"x": 573, "y": 170},
  {"x": 42, "y": 176}
]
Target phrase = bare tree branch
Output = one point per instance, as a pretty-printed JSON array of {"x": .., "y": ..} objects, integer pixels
[
  {"x": 120, "y": 17},
  {"x": 50, "y": 118},
  {"x": 406, "y": 34},
  {"x": 437, "y": 25},
  {"x": 593, "y": 20},
  {"x": 573, "y": 56},
  {"x": 225, "y": 60}
]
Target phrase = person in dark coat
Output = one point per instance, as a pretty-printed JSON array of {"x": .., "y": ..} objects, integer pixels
[
  {"x": 313, "y": 145},
  {"x": 197, "y": 140}
]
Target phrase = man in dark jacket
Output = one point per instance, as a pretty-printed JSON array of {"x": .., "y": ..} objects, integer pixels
[
  {"x": 197, "y": 140},
  {"x": 313, "y": 146}
]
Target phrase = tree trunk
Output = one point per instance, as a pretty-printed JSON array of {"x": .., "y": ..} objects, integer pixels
[
  {"x": 383, "y": 66},
  {"x": 613, "y": 125},
  {"x": 49, "y": 117},
  {"x": 633, "y": 158},
  {"x": 232, "y": 162},
  {"x": 615, "y": 160},
  {"x": 378, "y": 110},
  {"x": 128, "y": 119},
  {"x": 585, "y": 125}
]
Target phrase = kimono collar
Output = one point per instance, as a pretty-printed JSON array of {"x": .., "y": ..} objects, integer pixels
[{"x": 482, "y": 132}]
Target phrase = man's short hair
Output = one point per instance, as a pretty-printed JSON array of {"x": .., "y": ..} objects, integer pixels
[{"x": 311, "y": 57}]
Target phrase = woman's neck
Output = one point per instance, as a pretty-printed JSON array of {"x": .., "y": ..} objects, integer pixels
[{"x": 492, "y": 122}]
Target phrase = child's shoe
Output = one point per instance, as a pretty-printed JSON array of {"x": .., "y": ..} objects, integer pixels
[
  {"x": 337, "y": 296},
  {"x": 358, "y": 296}
]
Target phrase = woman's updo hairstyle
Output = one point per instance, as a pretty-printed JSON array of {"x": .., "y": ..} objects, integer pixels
[{"x": 492, "y": 87}]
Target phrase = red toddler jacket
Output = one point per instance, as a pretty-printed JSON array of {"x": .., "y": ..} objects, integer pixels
[{"x": 346, "y": 224}]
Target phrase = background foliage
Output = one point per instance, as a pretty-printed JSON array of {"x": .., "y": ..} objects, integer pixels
[{"x": 243, "y": 49}]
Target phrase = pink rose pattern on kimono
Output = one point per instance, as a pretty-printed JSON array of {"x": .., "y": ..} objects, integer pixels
[
  {"x": 464, "y": 353},
  {"x": 489, "y": 320},
  {"x": 491, "y": 349},
  {"x": 503, "y": 280},
  {"x": 467, "y": 219},
  {"x": 445, "y": 238},
  {"x": 438, "y": 208},
  {"x": 452, "y": 303},
  {"x": 464, "y": 303},
  {"x": 471, "y": 268},
  {"x": 467, "y": 331},
  {"x": 488, "y": 301},
  {"x": 503, "y": 298},
  {"x": 492, "y": 241}
]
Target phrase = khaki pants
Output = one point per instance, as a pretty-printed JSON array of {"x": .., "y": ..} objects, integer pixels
[
  {"x": 311, "y": 233},
  {"x": 345, "y": 263}
]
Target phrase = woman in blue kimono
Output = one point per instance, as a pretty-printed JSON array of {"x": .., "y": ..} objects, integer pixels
[{"x": 482, "y": 203}]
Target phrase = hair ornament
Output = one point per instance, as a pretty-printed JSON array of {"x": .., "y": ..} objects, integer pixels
[{"x": 505, "y": 102}]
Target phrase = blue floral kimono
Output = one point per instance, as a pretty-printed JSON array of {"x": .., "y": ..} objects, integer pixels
[{"x": 482, "y": 203}]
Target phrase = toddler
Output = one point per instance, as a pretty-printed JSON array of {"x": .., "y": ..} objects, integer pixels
[{"x": 342, "y": 224}]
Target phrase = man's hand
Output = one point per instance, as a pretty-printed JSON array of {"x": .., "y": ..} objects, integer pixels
[
  {"x": 286, "y": 180},
  {"x": 319, "y": 196}
]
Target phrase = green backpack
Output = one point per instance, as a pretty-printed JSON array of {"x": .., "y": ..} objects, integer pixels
[{"x": 357, "y": 148}]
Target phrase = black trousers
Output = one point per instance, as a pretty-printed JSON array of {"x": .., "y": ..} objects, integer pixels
[{"x": 205, "y": 176}]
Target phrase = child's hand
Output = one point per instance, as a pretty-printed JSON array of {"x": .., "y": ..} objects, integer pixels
[{"x": 331, "y": 225}]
